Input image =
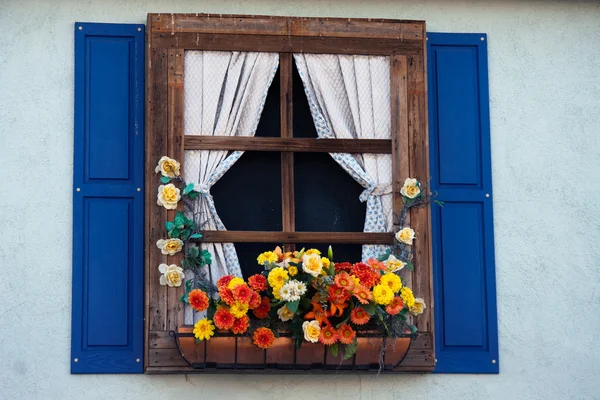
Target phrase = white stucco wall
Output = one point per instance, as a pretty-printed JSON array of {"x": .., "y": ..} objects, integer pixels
[{"x": 544, "y": 64}]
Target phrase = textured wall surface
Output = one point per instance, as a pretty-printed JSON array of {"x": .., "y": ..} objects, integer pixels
[{"x": 544, "y": 60}]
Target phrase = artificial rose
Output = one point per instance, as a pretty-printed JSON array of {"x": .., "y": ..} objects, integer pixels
[
  {"x": 406, "y": 235},
  {"x": 168, "y": 167},
  {"x": 312, "y": 330},
  {"x": 312, "y": 264},
  {"x": 172, "y": 275},
  {"x": 418, "y": 307},
  {"x": 169, "y": 246},
  {"x": 411, "y": 188},
  {"x": 168, "y": 196},
  {"x": 392, "y": 264}
]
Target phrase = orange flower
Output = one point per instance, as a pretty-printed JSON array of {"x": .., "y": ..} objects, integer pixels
[
  {"x": 263, "y": 338},
  {"x": 198, "y": 300},
  {"x": 224, "y": 281},
  {"x": 337, "y": 307},
  {"x": 367, "y": 275},
  {"x": 346, "y": 334},
  {"x": 337, "y": 294},
  {"x": 223, "y": 319},
  {"x": 342, "y": 266},
  {"x": 240, "y": 325},
  {"x": 242, "y": 293},
  {"x": 395, "y": 306},
  {"x": 258, "y": 282},
  {"x": 359, "y": 316},
  {"x": 254, "y": 300},
  {"x": 363, "y": 294},
  {"x": 226, "y": 295},
  {"x": 344, "y": 280},
  {"x": 375, "y": 264},
  {"x": 317, "y": 313},
  {"x": 262, "y": 311},
  {"x": 328, "y": 335}
]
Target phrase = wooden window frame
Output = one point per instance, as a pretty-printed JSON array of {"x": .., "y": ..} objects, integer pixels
[{"x": 169, "y": 35}]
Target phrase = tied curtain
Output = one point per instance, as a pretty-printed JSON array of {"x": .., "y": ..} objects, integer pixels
[
  {"x": 349, "y": 98},
  {"x": 225, "y": 94}
]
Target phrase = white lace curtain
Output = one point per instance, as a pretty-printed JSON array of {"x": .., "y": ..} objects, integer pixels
[
  {"x": 349, "y": 98},
  {"x": 225, "y": 94}
]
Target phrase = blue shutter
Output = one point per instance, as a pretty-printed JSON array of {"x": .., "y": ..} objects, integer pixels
[
  {"x": 466, "y": 331},
  {"x": 107, "y": 328}
]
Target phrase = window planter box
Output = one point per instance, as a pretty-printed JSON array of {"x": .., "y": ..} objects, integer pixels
[{"x": 226, "y": 351}]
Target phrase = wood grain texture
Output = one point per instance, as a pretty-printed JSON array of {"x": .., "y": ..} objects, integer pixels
[
  {"x": 377, "y": 146},
  {"x": 297, "y": 237},
  {"x": 175, "y": 311},
  {"x": 161, "y": 340},
  {"x": 288, "y": 211}
]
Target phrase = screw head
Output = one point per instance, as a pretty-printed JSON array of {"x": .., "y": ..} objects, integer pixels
[
  {"x": 493, "y": 361},
  {"x": 137, "y": 360},
  {"x": 482, "y": 38},
  {"x": 487, "y": 195},
  {"x": 81, "y": 28},
  {"x": 139, "y": 29},
  {"x": 76, "y": 360},
  {"x": 79, "y": 189},
  {"x": 139, "y": 189}
]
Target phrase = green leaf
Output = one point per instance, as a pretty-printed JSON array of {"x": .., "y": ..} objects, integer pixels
[
  {"x": 169, "y": 225},
  {"x": 193, "y": 195},
  {"x": 210, "y": 313},
  {"x": 183, "y": 298},
  {"x": 410, "y": 266},
  {"x": 370, "y": 308},
  {"x": 298, "y": 344},
  {"x": 189, "y": 187},
  {"x": 350, "y": 350},
  {"x": 165, "y": 179},
  {"x": 206, "y": 257},
  {"x": 195, "y": 236},
  {"x": 276, "y": 333},
  {"x": 335, "y": 349},
  {"x": 194, "y": 252},
  {"x": 179, "y": 219},
  {"x": 293, "y": 305},
  {"x": 174, "y": 233},
  {"x": 185, "y": 234}
]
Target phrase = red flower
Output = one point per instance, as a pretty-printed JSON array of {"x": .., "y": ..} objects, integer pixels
[
  {"x": 226, "y": 295},
  {"x": 337, "y": 294},
  {"x": 224, "y": 281},
  {"x": 367, "y": 275},
  {"x": 198, "y": 300},
  {"x": 240, "y": 325},
  {"x": 242, "y": 293},
  {"x": 342, "y": 266},
  {"x": 395, "y": 306},
  {"x": 262, "y": 311},
  {"x": 328, "y": 335},
  {"x": 258, "y": 282},
  {"x": 359, "y": 316},
  {"x": 346, "y": 334},
  {"x": 344, "y": 280},
  {"x": 263, "y": 338},
  {"x": 363, "y": 294},
  {"x": 223, "y": 319}
]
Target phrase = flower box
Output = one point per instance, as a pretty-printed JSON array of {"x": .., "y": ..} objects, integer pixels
[{"x": 225, "y": 351}]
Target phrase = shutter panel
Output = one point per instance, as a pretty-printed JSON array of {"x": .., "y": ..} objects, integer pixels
[
  {"x": 108, "y": 205},
  {"x": 466, "y": 333}
]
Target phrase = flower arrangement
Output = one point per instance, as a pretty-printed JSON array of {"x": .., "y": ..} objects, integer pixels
[{"x": 305, "y": 294}]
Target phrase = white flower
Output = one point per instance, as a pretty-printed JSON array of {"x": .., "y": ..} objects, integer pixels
[
  {"x": 168, "y": 167},
  {"x": 418, "y": 307},
  {"x": 285, "y": 292},
  {"x": 311, "y": 331},
  {"x": 169, "y": 246},
  {"x": 292, "y": 290},
  {"x": 411, "y": 188},
  {"x": 392, "y": 264},
  {"x": 172, "y": 275},
  {"x": 406, "y": 235},
  {"x": 168, "y": 196},
  {"x": 312, "y": 264},
  {"x": 284, "y": 314},
  {"x": 299, "y": 287}
]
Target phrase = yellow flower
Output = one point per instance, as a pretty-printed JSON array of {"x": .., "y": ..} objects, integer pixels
[
  {"x": 311, "y": 264},
  {"x": 293, "y": 271},
  {"x": 312, "y": 251},
  {"x": 276, "y": 292},
  {"x": 172, "y": 275},
  {"x": 382, "y": 294},
  {"x": 312, "y": 330},
  {"x": 168, "y": 167},
  {"x": 405, "y": 235},
  {"x": 408, "y": 297},
  {"x": 277, "y": 277},
  {"x": 392, "y": 264},
  {"x": 411, "y": 188},
  {"x": 392, "y": 281},
  {"x": 284, "y": 314},
  {"x": 238, "y": 309},
  {"x": 418, "y": 307},
  {"x": 168, "y": 196},
  {"x": 235, "y": 282},
  {"x": 169, "y": 246},
  {"x": 356, "y": 280},
  {"x": 204, "y": 329},
  {"x": 267, "y": 257},
  {"x": 325, "y": 261}
]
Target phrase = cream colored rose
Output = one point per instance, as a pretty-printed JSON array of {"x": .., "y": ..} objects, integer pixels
[
  {"x": 411, "y": 188},
  {"x": 312, "y": 264},
  {"x": 169, "y": 246},
  {"x": 406, "y": 235},
  {"x": 284, "y": 314},
  {"x": 172, "y": 275},
  {"x": 418, "y": 307},
  {"x": 392, "y": 264},
  {"x": 168, "y": 196},
  {"x": 312, "y": 330},
  {"x": 168, "y": 167}
]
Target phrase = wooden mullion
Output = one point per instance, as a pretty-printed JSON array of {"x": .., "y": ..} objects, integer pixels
[
  {"x": 287, "y": 157},
  {"x": 290, "y": 144},
  {"x": 297, "y": 237}
]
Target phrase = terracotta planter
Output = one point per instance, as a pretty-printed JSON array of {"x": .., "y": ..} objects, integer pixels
[{"x": 248, "y": 354}]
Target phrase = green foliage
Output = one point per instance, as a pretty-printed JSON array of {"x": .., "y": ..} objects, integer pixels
[
  {"x": 165, "y": 179},
  {"x": 335, "y": 349},
  {"x": 293, "y": 305},
  {"x": 196, "y": 259},
  {"x": 193, "y": 195},
  {"x": 186, "y": 292},
  {"x": 349, "y": 350},
  {"x": 370, "y": 308},
  {"x": 188, "y": 188},
  {"x": 410, "y": 266},
  {"x": 181, "y": 227}
]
